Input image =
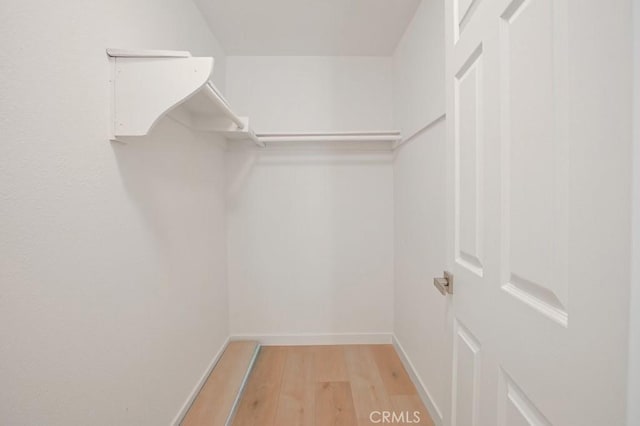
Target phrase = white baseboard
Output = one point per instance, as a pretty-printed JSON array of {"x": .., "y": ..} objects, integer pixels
[
  {"x": 194, "y": 393},
  {"x": 434, "y": 411},
  {"x": 317, "y": 339}
]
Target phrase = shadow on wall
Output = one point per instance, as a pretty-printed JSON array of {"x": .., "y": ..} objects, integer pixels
[{"x": 175, "y": 178}]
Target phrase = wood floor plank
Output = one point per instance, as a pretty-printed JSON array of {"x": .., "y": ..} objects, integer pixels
[
  {"x": 259, "y": 403},
  {"x": 297, "y": 396},
  {"x": 334, "y": 404},
  {"x": 367, "y": 386},
  {"x": 216, "y": 398},
  {"x": 284, "y": 389},
  {"x": 410, "y": 405},
  {"x": 395, "y": 377},
  {"x": 330, "y": 364}
]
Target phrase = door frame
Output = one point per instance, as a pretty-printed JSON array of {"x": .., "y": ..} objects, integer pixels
[{"x": 633, "y": 394}]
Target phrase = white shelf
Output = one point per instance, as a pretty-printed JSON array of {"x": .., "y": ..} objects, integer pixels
[{"x": 147, "y": 85}]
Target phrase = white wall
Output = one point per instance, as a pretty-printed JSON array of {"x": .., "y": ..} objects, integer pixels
[
  {"x": 112, "y": 257},
  {"x": 311, "y": 232},
  {"x": 310, "y": 244},
  {"x": 418, "y": 70},
  {"x": 295, "y": 94},
  {"x": 419, "y": 186}
]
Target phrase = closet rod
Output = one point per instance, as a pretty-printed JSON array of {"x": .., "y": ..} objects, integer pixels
[
  {"x": 217, "y": 98},
  {"x": 255, "y": 139},
  {"x": 331, "y": 137}
]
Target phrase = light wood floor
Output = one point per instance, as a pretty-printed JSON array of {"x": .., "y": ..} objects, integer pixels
[
  {"x": 328, "y": 385},
  {"x": 216, "y": 398}
]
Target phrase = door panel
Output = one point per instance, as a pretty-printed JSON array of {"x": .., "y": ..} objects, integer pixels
[
  {"x": 468, "y": 128},
  {"x": 534, "y": 314},
  {"x": 463, "y": 11},
  {"x": 515, "y": 409},
  {"x": 472, "y": 132},
  {"x": 533, "y": 160},
  {"x": 466, "y": 377}
]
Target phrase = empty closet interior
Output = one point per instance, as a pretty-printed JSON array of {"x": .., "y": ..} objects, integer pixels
[
  {"x": 179, "y": 175},
  {"x": 284, "y": 192}
]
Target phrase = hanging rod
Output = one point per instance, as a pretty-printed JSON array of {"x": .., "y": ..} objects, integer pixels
[
  {"x": 255, "y": 139},
  {"x": 129, "y": 53},
  {"x": 383, "y": 136}
]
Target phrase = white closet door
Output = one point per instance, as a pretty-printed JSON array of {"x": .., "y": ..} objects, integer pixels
[{"x": 538, "y": 145}]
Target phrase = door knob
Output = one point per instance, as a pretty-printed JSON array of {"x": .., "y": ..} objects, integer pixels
[{"x": 444, "y": 284}]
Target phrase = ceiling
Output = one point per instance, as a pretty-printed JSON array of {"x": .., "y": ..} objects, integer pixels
[{"x": 309, "y": 27}]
